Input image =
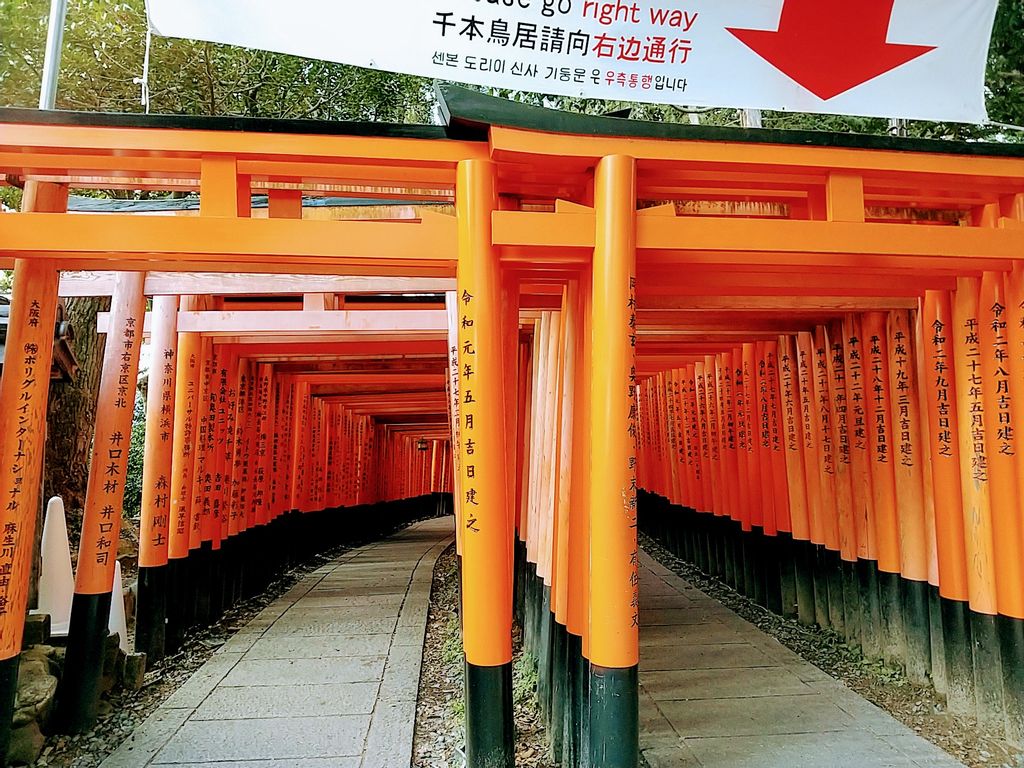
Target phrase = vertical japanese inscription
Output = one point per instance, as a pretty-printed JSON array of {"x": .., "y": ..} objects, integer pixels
[
  {"x": 631, "y": 460},
  {"x": 903, "y": 374},
  {"x": 114, "y": 447},
  {"x": 939, "y": 365},
  {"x": 29, "y": 373},
  {"x": 470, "y": 407},
  {"x": 972, "y": 346},
  {"x": 181, "y": 516},
  {"x": 159, "y": 520}
]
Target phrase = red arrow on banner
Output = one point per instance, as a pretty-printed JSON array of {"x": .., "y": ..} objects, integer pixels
[{"x": 832, "y": 46}]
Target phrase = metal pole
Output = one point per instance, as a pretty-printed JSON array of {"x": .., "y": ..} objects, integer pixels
[
  {"x": 51, "y": 63},
  {"x": 750, "y": 118}
]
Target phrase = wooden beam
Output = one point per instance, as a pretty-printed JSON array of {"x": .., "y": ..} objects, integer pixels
[
  {"x": 390, "y": 378},
  {"x": 523, "y": 146},
  {"x": 793, "y": 305},
  {"x": 736, "y": 235},
  {"x": 347, "y": 324},
  {"x": 126, "y": 237}
]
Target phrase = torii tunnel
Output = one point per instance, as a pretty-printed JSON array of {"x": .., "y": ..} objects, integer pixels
[{"x": 797, "y": 359}]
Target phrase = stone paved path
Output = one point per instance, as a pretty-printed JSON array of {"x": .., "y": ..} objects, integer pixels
[
  {"x": 325, "y": 677},
  {"x": 717, "y": 692}
]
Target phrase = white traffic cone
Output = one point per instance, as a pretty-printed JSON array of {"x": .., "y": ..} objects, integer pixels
[
  {"x": 56, "y": 578},
  {"x": 118, "y": 623}
]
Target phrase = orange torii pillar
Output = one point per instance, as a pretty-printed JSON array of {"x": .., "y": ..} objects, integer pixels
[
  {"x": 261, "y": 480},
  {"x": 79, "y": 693},
  {"x": 230, "y": 546},
  {"x": 23, "y": 395},
  {"x": 202, "y": 486},
  {"x": 955, "y": 584},
  {"x": 186, "y": 385},
  {"x": 614, "y": 581},
  {"x": 218, "y": 433},
  {"x": 976, "y": 499},
  {"x": 154, "y": 527},
  {"x": 485, "y": 498}
]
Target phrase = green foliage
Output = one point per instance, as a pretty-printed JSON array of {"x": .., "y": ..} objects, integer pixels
[
  {"x": 136, "y": 453},
  {"x": 524, "y": 681},
  {"x": 104, "y": 47},
  {"x": 11, "y": 197}
]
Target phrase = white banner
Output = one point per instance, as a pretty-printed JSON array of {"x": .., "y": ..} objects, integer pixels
[{"x": 919, "y": 59}]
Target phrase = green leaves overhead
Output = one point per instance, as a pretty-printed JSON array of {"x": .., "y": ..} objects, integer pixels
[{"x": 104, "y": 48}]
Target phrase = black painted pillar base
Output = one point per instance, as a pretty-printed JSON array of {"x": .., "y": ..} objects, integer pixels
[
  {"x": 529, "y": 609},
  {"x": 189, "y": 578},
  {"x": 956, "y": 636},
  {"x": 228, "y": 585},
  {"x": 787, "y": 575},
  {"x": 871, "y": 629},
  {"x": 728, "y": 534},
  {"x": 8, "y": 692},
  {"x": 543, "y": 653},
  {"x": 757, "y": 552},
  {"x": 853, "y": 618},
  {"x": 836, "y": 597},
  {"x": 820, "y": 572},
  {"x": 803, "y": 566},
  {"x": 176, "y": 590},
  {"x": 151, "y": 613},
  {"x": 938, "y": 640},
  {"x": 78, "y": 694},
  {"x": 252, "y": 582},
  {"x": 490, "y": 733},
  {"x": 916, "y": 627},
  {"x": 773, "y": 587},
  {"x": 614, "y": 717},
  {"x": 988, "y": 677},
  {"x": 749, "y": 571},
  {"x": 559, "y": 691},
  {"x": 216, "y": 585},
  {"x": 201, "y": 587},
  {"x": 890, "y": 604},
  {"x": 574, "y": 711},
  {"x": 1011, "y": 650}
]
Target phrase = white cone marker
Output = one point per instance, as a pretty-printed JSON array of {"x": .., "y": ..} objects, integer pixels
[
  {"x": 118, "y": 623},
  {"x": 57, "y": 577}
]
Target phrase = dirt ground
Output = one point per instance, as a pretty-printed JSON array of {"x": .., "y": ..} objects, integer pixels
[
  {"x": 440, "y": 712},
  {"x": 916, "y": 707}
]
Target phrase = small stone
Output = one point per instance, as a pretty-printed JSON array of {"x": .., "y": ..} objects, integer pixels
[
  {"x": 37, "y": 630},
  {"x": 134, "y": 676},
  {"x": 111, "y": 663},
  {"x": 36, "y": 691},
  {"x": 130, "y": 592},
  {"x": 26, "y": 744}
]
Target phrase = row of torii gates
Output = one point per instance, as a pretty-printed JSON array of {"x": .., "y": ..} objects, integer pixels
[{"x": 806, "y": 349}]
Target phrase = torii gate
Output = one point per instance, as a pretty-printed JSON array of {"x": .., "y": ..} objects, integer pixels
[{"x": 634, "y": 248}]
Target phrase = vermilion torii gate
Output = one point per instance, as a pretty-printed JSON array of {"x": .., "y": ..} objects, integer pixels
[{"x": 597, "y": 261}]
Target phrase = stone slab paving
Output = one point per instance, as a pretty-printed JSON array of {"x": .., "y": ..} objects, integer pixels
[
  {"x": 325, "y": 677},
  {"x": 717, "y": 692}
]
